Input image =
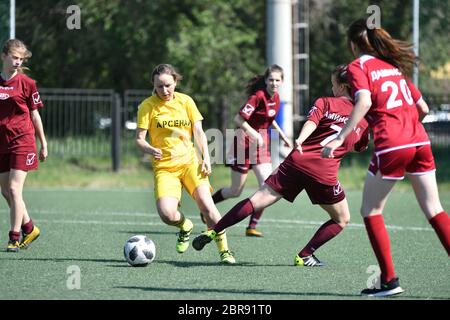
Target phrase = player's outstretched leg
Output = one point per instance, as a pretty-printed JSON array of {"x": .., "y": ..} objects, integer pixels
[{"x": 203, "y": 239}]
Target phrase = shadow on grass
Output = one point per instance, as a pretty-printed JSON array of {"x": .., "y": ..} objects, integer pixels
[
  {"x": 65, "y": 259},
  {"x": 236, "y": 291},
  {"x": 254, "y": 291}
]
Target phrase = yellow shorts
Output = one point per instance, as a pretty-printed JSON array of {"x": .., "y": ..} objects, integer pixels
[{"x": 168, "y": 183}]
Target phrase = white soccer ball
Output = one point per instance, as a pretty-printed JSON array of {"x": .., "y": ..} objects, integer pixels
[{"x": 139, "y": 251}]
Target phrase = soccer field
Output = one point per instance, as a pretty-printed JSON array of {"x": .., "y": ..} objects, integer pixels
[{"x": 79, "y": 254}]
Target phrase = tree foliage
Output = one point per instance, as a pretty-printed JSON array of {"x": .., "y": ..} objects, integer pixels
[{"x": 216, "y": 45}]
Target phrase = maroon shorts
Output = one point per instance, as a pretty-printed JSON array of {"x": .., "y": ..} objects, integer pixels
[
  {"x": 289, "y": 182},
  {"x": 243, "y": 156},
  {"x": 18, "y": 161},
  {"x": 412, "y": 160}
]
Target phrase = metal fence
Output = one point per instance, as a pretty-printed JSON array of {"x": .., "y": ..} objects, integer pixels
[
  {"x": 91, "y": 122},
  {"x": 437, "y": 122},
  {"x": 131, "y": 101}
]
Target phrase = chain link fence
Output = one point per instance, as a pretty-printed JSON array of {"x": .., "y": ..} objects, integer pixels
[{"x": 101, "y": 122}]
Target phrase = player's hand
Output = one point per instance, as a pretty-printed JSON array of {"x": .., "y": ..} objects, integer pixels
[
  {"x": 288, "y": 144},
  {"x": 206, "y": 167},
  {"x": 328, "y": 150},
  {"x": 43, "y": 153},
  {"x": 298, "y": 146},
  {"x": 157, "y": 153}
]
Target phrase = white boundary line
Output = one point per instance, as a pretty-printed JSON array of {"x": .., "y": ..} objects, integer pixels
[{"x": 281, "y": 223}]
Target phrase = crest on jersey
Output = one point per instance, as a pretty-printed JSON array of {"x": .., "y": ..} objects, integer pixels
[
  {"x": 248, "y": 109},
  {"x": 36, "y": 97},
  {"x": 4, "y": 96},
  {"x": 272, "y": 113}
]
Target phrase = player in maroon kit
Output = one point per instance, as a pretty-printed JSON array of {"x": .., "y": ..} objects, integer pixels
[
  {"x": 251, "y": 147},
  {"x": 19, "y": 122},
  {"x": 305, "y": 169},
  {"x": 384, "y": 96}
]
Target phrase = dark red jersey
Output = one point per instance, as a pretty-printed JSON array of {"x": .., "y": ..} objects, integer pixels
[
  {"x": 260, "y": 109},
  {"x": 330, "y": 114},
  {"x": 393, "y": 115},
  {"x": 18, "y": 97}
]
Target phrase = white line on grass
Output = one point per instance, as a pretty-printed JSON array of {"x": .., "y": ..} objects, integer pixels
[{"x": 277, "y": 223}]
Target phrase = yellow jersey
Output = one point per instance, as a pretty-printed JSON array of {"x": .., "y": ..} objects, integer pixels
[{"x": 170, "y": 127}]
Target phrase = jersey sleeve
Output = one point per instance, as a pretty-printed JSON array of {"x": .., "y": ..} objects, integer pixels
[
  {"x": 249, "y": 107},
  {"x": 357, "y": 79},
  {"x": 192, "y": 110},
  {"x": 143, "y": 117},
  {"x": 415, "y": 92},
  {"x": 34, "y": 99},
  {"x": 317, "y": 110}
]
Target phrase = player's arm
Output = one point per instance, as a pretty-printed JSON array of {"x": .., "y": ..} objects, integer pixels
[
  {"x": 202, "y": 142},
  {"x": 306, "y": 131},
  {"x": 362, "y": 106},
  {"x": 287, "y": 143},
  {"x": 39, "y": 129},
  {"x": 421, "y": 105},
  {"x": 422, "y": 108},
  {"x": 145, "y": 146},
  {"x": 243, "y": 124}
]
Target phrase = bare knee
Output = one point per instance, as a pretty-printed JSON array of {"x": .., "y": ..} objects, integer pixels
[
  {"x": 235, "y": 192},
  {"x": 366, "y": 211},
  {"x": 5, "y": 194},
  {"x": 342, "y": 221},
  {"x": 14, "y": 193},
  {"x": 168, "y": 215}
]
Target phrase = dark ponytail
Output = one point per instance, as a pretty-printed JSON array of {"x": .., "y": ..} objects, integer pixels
[
  {"x": 379, "y": 43},
  {"x": 340, "y": 74}
]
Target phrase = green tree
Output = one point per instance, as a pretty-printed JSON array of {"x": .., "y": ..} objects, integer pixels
[
  {"x": 217, "y": 46},
  {"x": 217, "y": 49},
  {"x": 329, "y": 22}
]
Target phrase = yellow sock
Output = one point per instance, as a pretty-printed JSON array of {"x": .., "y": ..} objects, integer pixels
[
  {"x": 221, "y": 241},
  {"x": 184, "y": 223},
  {"x": 187, "y": 225}
]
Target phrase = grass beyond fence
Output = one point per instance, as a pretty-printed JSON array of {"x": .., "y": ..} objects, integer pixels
[{"x": 95, "y": 172}]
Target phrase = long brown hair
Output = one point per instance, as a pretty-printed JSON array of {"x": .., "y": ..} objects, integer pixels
[
  {"x": 379, "y": 43},
  {"x": 259, "y": 81},
  {"x": 16, "y": 44},
  {"x": 340, "y": 74}
]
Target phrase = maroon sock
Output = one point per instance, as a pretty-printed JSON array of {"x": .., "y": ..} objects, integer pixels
[
  {"x": 218, "y": 197},
  {"x": 254, "y": 219},
  {"x": 326, "y": 232},
  {"x": 379, "y": 239},
  {"x": 28, "y": 227},
  {"x": 14, "y": 235},
  {"x": 238, "y": 213},
  {"x": 441, "y": 224}
]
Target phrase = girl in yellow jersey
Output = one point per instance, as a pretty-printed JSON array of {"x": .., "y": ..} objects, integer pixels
[{"x": 171, "y": 119}]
